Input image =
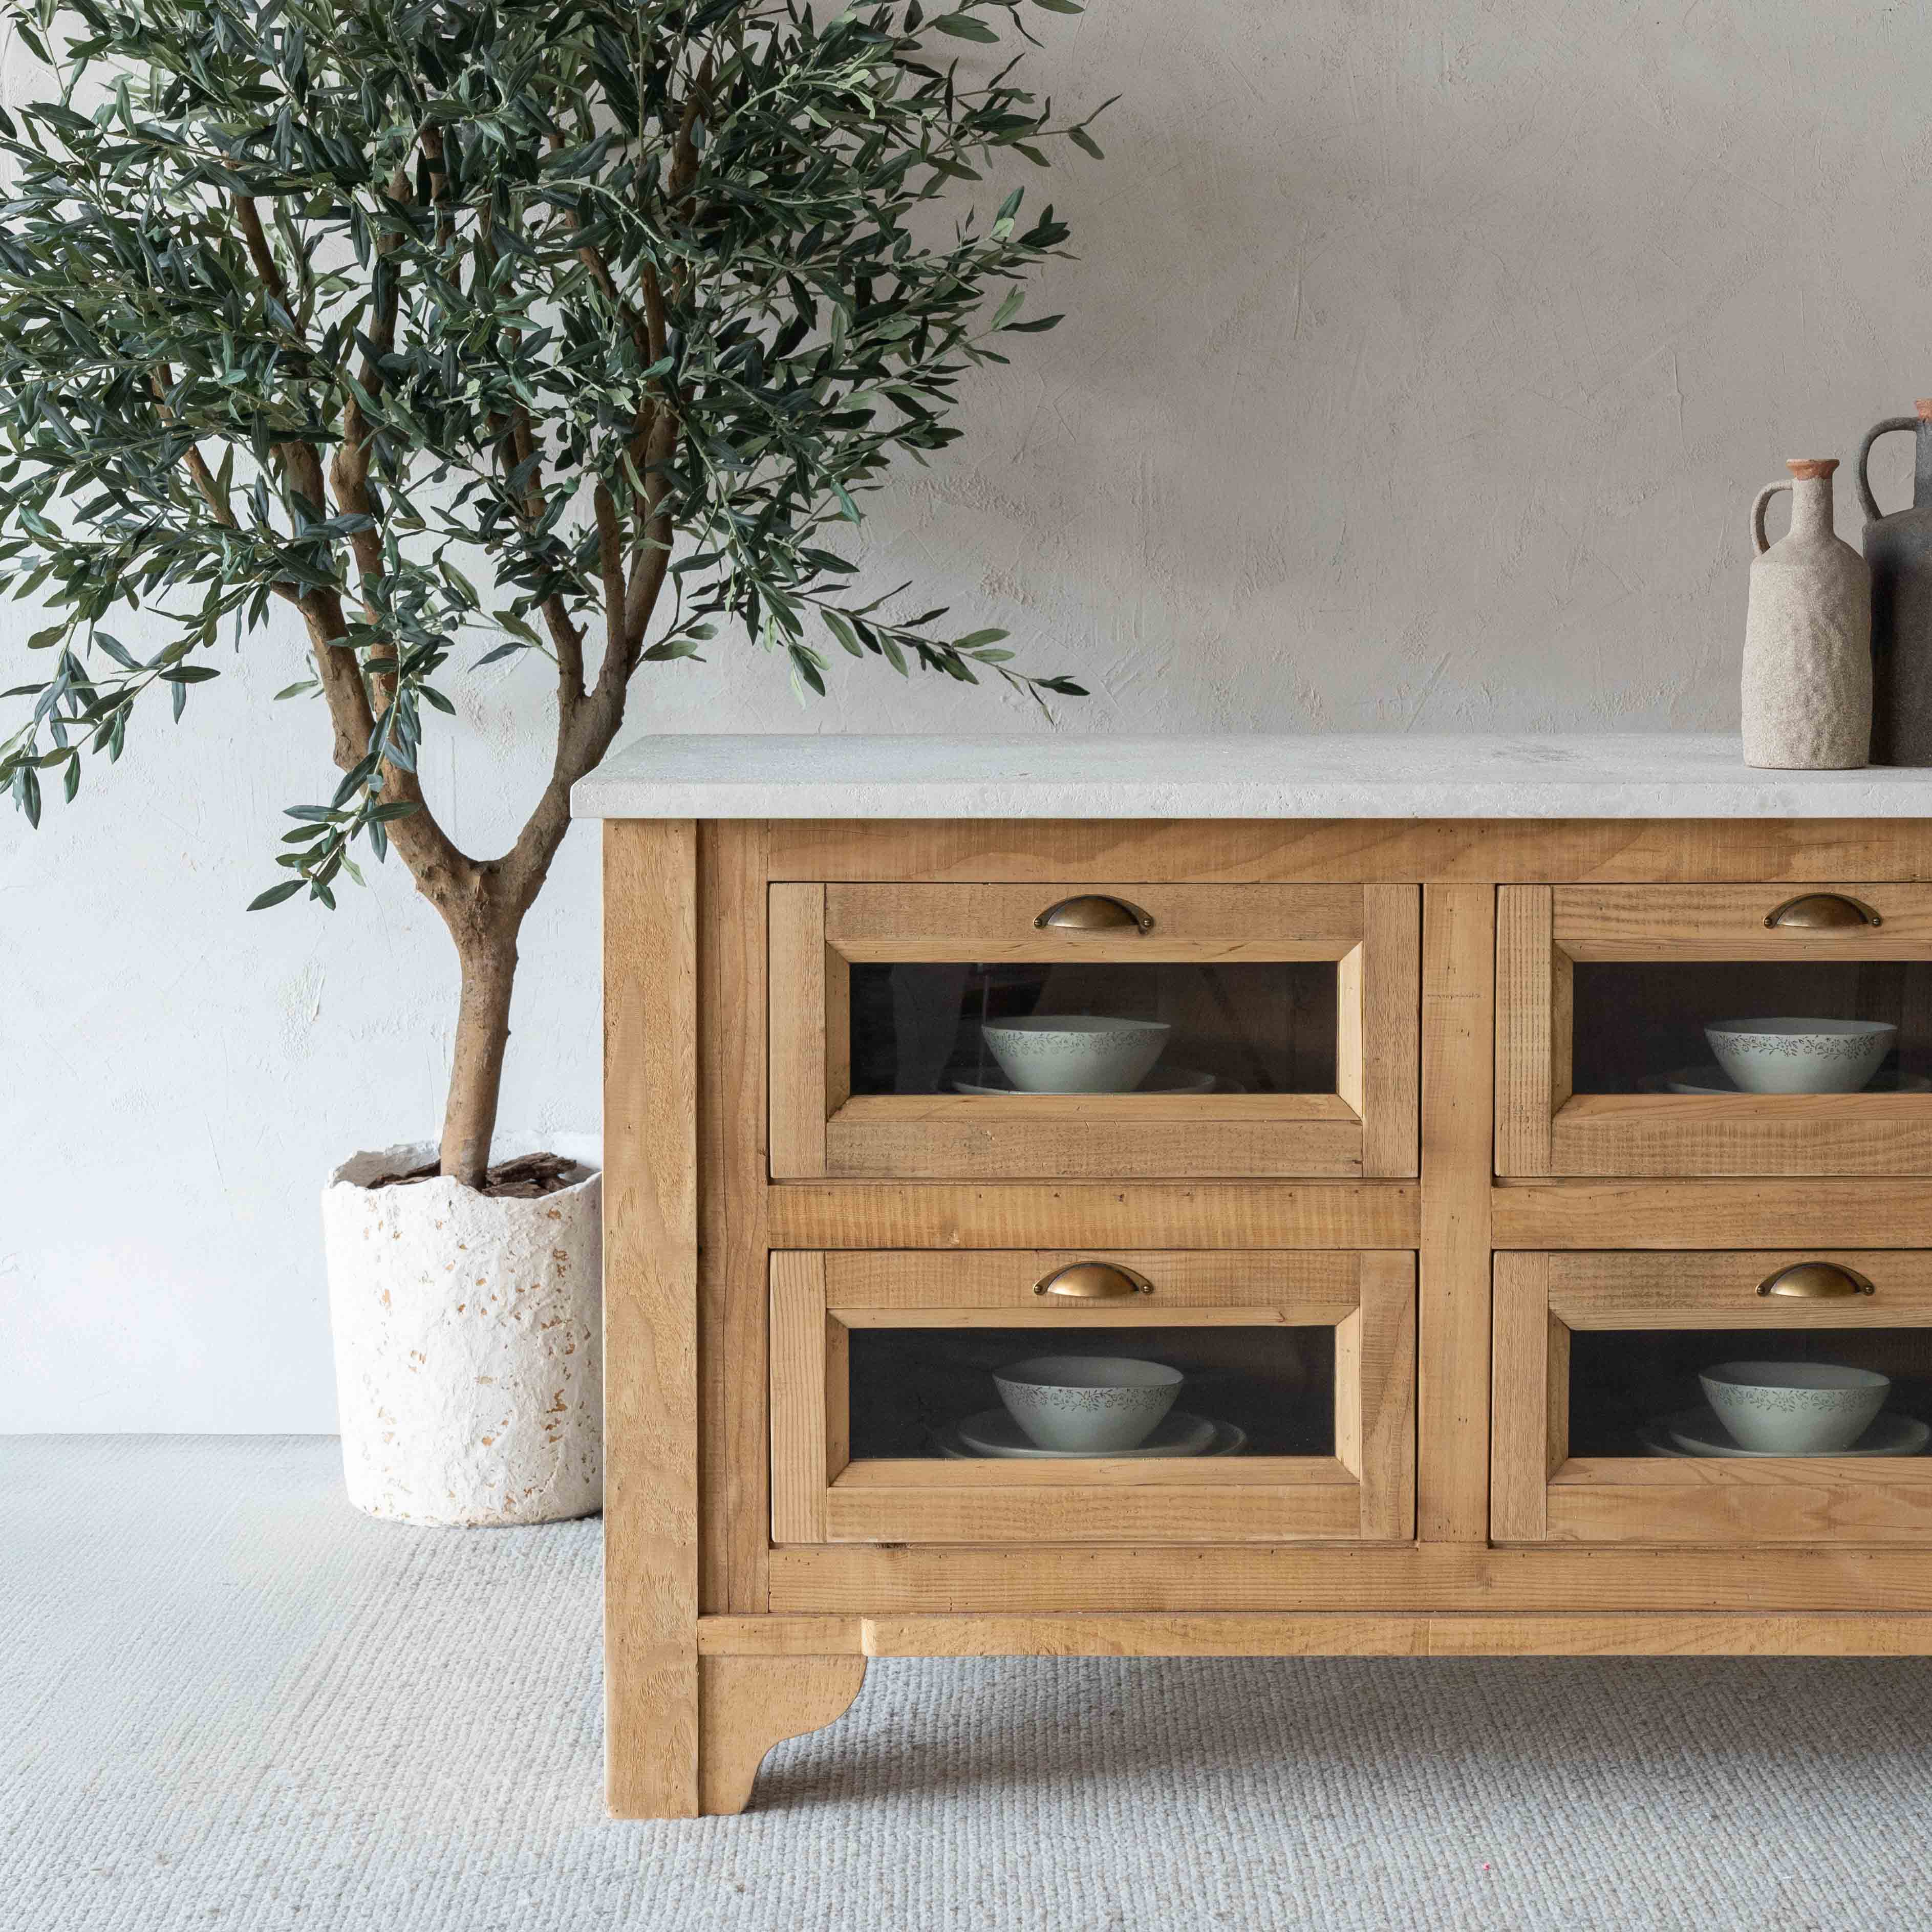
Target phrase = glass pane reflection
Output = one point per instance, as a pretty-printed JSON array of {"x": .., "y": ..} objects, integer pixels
[
  {"x": 911, "y": 1388},
  {"x": 1244, "y": 1028}
]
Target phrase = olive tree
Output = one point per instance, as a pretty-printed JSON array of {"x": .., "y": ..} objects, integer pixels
[{"x": 581, "y": 327}]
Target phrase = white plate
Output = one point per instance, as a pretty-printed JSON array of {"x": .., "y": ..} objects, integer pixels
[
  {"x": 993, "y": 1433},
  {"x": 1697, "y": 1431},
  {"x": 1174, "y": 1080},
  {"x": 1713, "y": 1079}
]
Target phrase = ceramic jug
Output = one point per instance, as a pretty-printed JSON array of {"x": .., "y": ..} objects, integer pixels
[
  {"x": 1807, "y": 683},
  {"x": 1898, "y": 548}
]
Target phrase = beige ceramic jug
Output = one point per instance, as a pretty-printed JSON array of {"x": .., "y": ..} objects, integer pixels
[{"x": 1807, "y": 680}]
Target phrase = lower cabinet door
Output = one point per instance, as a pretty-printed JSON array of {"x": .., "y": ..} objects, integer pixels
[
  {"x": 1037, "y": 1397},
  {"x": 1712, "y": 1399}
]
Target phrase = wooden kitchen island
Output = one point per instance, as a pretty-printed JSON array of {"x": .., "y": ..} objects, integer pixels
[{"x": 1415, "y": 1198}]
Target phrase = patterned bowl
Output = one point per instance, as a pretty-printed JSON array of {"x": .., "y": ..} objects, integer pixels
[
  {"x": 1088, "y": 1405},
  {"x": 1796, "y": 1409},
  {"x": 1800, "y": 1056},
  {"x": 1076, "y": 1053}
]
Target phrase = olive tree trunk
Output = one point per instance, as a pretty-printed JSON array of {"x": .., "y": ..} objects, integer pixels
[{"x": 489, "y": 965}]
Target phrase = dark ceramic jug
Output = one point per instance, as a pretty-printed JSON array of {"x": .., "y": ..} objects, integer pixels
[{"x": 1899, "y": 550}]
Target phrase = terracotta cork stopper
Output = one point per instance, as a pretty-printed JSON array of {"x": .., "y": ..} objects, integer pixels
[
  {"x": 1923, "y": 406},
  {"x": 1808, "y": 468}
]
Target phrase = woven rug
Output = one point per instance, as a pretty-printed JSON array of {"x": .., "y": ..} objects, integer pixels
[{"x": 227, "y": 1700}]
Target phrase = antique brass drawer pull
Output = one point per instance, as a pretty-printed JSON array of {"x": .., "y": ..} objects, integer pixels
[
  {"x": 1818, "y": 911},
  {"x": 1815, "y": 1281},
  {"x": 1095, "y": 912},
  {"x": 1093, "y": 1281}
]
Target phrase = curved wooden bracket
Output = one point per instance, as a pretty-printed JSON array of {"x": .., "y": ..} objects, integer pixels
[{"x": 746, "y": 1704}]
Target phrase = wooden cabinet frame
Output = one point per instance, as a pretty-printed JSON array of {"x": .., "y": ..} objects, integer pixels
[
  {"x": 1367, "y": 1126},
  {"x": 1365, "y": 1491},
  {"x": 1543, "y": 1494},
  {"x": 1543, "y": 1128},
  {"x": 721, "y": 1639}
]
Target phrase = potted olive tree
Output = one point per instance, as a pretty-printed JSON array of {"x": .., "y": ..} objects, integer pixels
[{"x": 403, "y": 336}]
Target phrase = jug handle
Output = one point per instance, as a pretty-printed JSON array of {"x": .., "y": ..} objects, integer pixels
[
  {"x": 1759, "y": 541},
  {"x": 1872, "y": 435}
]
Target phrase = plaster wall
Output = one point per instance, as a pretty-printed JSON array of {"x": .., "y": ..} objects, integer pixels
[{"x": 1421, "y": 361}]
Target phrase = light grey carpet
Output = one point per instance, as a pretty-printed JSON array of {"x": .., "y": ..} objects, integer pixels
[{"x": 227, "y": 1700}]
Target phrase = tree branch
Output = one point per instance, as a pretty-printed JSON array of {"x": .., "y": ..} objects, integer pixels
[
  {"x": 349, "y": 469},
  {"x": 566, "y": 638},
  {"x": 349, "y": 472},
  {"x": 260, "y": 252},
  {"x": 445, "y": 876},
  {"x": 684, "y": 148},
  {"x": 592, "y": 256},
  {"x": 202, "y": 477},
  {"x": 610, "y": 567},
  {"x": 653, "y": 557},
  {"x": 430, "y": 139},
  {"x": 586, "y": 734}
]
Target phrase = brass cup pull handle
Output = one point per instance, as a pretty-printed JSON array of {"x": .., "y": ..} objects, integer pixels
[
  {"x": 1095, "y": 912},
  {"x": 1093, "y": 1281},
  {"x": 1815, "y": 1281},
  {"x": 1812, "y": 912}
]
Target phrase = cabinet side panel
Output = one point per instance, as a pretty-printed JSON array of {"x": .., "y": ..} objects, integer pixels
[{"x": 650, "y": 1317}]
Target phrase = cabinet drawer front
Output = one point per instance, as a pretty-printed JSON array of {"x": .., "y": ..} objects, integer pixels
[
  {"x": 1603, "y": 1066},
  {"x": 1303, "y": 1363},
  {"x": 1282, "y": 1021},
  {"x": 1260, "y": 922},
  {"x": 1600, "y": 1431}
]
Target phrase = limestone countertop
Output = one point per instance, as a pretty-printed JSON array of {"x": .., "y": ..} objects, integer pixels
[{"x": 1605, "y": 775}]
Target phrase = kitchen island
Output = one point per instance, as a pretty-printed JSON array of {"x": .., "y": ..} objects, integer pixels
[{"x": 1434, "y": 1196}]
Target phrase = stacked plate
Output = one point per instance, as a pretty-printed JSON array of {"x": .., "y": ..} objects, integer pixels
[
  {"x": 1697, "y": 1432},
  {"x": 1167, "y": 1080},
  {"x": 993, "y": 1433},
  {"x": 1713, "y": 1079},
  {"x": 1789, "y": 1409}
]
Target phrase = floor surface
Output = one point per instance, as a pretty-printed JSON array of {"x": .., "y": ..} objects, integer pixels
[{"x": 228, "y": 1700}]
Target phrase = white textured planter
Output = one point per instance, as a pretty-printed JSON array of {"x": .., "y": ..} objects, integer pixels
[{"x": 469, "y": 1356}]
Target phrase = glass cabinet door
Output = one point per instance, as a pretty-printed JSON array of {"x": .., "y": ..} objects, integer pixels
[
  {"x": 1050, "y": 1031},
  {"x": 1713, "y": 1398},
  {"x": 1025, "y": 1397},
  {"x": 1715, "y": 1030}
]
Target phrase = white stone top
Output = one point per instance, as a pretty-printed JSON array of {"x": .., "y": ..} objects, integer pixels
[{"x": 1604, "y": 775}]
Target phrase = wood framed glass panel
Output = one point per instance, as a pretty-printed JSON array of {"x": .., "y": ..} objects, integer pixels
[
  {"x": 1604, "y": 1065},
  {"x": 1601, "y": 1433},
  {"x": 1282, "y": 1020},
  {"x": 1304, "y": 1363}
]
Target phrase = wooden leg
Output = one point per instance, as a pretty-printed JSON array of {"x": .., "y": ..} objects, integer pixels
[
  {"x": 745, "y": 1705},
  {"x": 650, "y": 1319}
]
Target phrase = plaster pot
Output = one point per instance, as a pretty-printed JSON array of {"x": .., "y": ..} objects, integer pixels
[
  {"x": 468, "y": 1332},
  {"x": 1800, "y": 1056}
]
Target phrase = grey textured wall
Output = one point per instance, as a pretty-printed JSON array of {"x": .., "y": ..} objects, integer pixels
[{"x": 1421, "y": 362}]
